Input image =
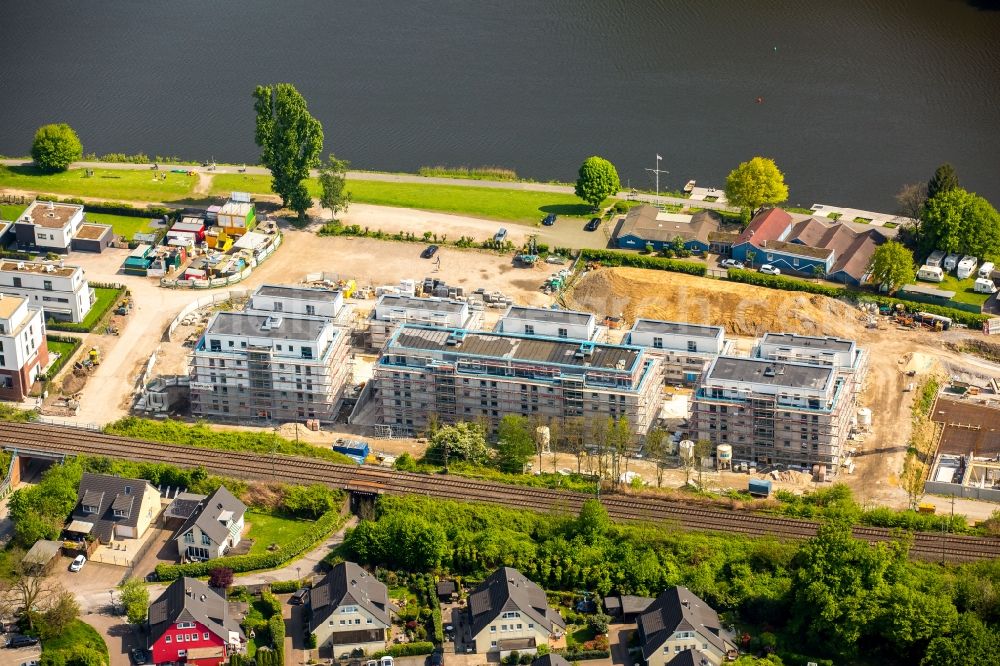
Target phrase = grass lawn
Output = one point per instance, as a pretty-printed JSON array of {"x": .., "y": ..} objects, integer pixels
[
  {"x": 964, "y": 289},
  {"x": 105, "y": 183},
  {"x": 266, "y": 529},
  {"x": 579, "y": 634},
  {"x": 65, "y": 350},
  {"x": 105, "y": 299},
  {"x": 521, "y": 206},
  {"x": 11, "y": 212},
  {"x": 77, "y": 635},
  {"x": 124, "y": 225}
]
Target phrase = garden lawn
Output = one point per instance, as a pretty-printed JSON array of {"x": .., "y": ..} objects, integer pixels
[
  {"x": 266, "y": 529},
  {"x": 964, "y": 289},
  {"x": 65, "y": 350},
  {"x": 124, "y": 225},
  {"x": 525, "y": 207},
  {"x": 105, "y": 183},
  {"x": 11, "y": 212},
  {"x": 77, "y": 635},
  {"x": 105, "y": 299}
]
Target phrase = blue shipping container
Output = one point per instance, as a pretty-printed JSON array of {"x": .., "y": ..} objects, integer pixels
[
  {"x": 761, "y": 487},
  {"x": 356, "y": 449}
]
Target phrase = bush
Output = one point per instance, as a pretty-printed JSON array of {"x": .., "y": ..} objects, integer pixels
[
  {"x": 783, "y": 282},
  {"x": 311, "y": 641},
  {"x": 616, "y": 258},
  {"x": 243, "y": 563},
  {"x": 406, "y": 650},
  {"x": 286, "y": 586},
  {"x": 583, "y": 655},
  {"x": 55, "y": 147}
]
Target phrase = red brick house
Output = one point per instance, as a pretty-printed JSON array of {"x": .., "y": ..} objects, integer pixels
[{"x": 190, "y": 624}]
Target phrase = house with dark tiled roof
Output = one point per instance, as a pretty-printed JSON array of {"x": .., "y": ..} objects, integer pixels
[
  {"x": 213, "y": 527},
  {"x": 111, "y": 508},
  {"x": 508, "y": 612},
  {"x": 551, "y": 659},
  {"x": 803, "y": 244},
  {"x": 678, "y": 621},
  {"x": 647, "y": 225},
  {"x": 190, "y": 623},
  {"x": 349, "y": 610}
]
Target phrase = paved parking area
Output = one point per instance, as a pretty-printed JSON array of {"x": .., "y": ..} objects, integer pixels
[
  {"x": 19, "y": 656},
  {"x": 92, "y": 585},
  {"x": 161, "y": 550}
]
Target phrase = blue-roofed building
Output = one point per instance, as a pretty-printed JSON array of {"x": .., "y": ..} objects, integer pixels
[{"x": 462, "y": 375}]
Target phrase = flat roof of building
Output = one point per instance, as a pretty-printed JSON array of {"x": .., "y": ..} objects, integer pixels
[
  {"x": 37, "y": 267},
  {"x": 297, "y": 293},
  {"x": 680, "y": 328},
  {"x": 968, "y": 428},
  {"x": 808, "y": 341},
  {"x": 773, "y": 373},
  {"x": 9, "y": 304},
  {"x": 544, "y": 314},
  {"x": 414, "y": 303},
  {"x": 518, "y": 347},
  {"x": 50, "y": 215},
  {"x": 284, "y": 326},
  {"x": 90, "y": 231}
]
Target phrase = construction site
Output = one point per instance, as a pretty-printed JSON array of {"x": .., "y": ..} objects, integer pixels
[{"x": 967, "y": 462}]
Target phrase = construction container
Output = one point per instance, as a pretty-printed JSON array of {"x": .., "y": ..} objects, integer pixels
[
  {"x": 355, "y": 449},
  {"x": 759, "y": 487},
  {"x": 924, "y": 507},
  {"x": 864, "y": 417}
]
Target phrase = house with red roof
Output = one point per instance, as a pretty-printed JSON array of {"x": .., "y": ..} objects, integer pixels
[{"x": 804, "y": 244}]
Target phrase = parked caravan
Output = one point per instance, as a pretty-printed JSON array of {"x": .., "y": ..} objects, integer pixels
[
  {"x": 984, "y": 286},
  {"x": 935, "y": 258},
  {"x": 930, "y": 274},
  {"x": 986, "y": 270},
  {"x": 966, "y": 267},
  {"x": 950, "y": 262}
]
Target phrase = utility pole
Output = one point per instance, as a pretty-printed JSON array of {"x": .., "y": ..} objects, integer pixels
[{"x": 658, "y": 171}]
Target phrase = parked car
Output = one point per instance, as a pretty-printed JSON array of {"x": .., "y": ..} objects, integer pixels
[
  {"x": 731, "y": 263},
  {"x": 549, "y": 219},
  {"x": 429, "y": 251},
  {"x": 138, "y": 656},
  {"x": 77, "y": 563},
  {"x": 593, "y": 224},
  {"x": 22, "y": 641},
  {"x": 299, "y": 597},
  {"x": 768, "y": 269},
  {"x": 500, "y": 235},
  {"x": 151, "y": 577}
]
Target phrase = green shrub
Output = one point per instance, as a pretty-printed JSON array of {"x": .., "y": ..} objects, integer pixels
[
  {"x": 243, "y": 563},
  {"x": 616, "y": 258},
  {"x": 286, "y": 586},
  {"x": 783, "y": 282},
  {"x": 406, "y": 650},
  {"x": 583, "y": 655}
]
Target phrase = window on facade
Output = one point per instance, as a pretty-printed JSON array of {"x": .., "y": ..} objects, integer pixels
[
  {"x": 216, "y": 345},
  {"x": 204, "y": 636},
  {"x": 531, "y": 625},
  {"x": 278, "y": 306},
  {"x": 563, "y": 333},
  {"x": 17, "y": 282},
  {"x": 182, "y": 653},
  {"x": 692, "y": 346},
  {"x": 167, "y": 640},
  {"x": 493, "y": 629},
  {"x": 493, "y": 643},
  {"x": 310, "y": 309},
  {"x": 529, "y": 329},
  {"x": 205, "y": 541},
  {"x": 47, "y": 285},
  {"x": 658, "y": 343}
]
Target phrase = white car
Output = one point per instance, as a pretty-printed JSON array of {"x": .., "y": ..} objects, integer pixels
[
  {"x": 77, "y": 563},
  {"x": 731, "y": 263},
  {"x": 768, "y": 269}
]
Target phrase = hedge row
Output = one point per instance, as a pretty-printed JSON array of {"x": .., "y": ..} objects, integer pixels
[
  {"x": 275, "y": 624},
  {"x": 327, "y": 523},
  {"x": 614, "y": 258},
  {"x": 286, "y": 586},
  {"x": 782, "y": 282},
  {"x": 406, "y": 650},
  {"x": 429, "y": 598},
  {"x": 970, "y": 319},
  {"x": 582, "y": 655},
  {"x": 112, "y": 208}
]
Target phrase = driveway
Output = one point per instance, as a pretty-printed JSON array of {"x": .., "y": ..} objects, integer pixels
[
  {"x": 618, "y": 635},
  {"x": 117, "y": 633},
  {"x": 92, "y": 585},
  {"x": 162, "y": 550}
]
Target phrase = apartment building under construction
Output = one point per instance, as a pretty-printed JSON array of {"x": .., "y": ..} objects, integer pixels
[
  {"x": 462, "y": 375},
  {"x": 269, "y": 366},
  {"x": 775, "y": 412}
]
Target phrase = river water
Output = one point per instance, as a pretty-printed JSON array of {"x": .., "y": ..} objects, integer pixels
[{"x": 856, "y": 96}]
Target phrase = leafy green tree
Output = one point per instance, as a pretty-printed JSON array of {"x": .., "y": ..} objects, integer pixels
[
  {"x": 462, "y": 441},
  {"x": 597, "y": 181},
  {"x": 655, "y": 450},
  {"x": 593, "y": 522},
  {"x": 63, "y": 610},
  {"x": 55, "y": 147},
  {"x": 959, "y": 221},
  {"x": 515, "y": 445},
  {"x": 892, "y": 265},
  {"x": 310, "y": 501},
  {"x": 135, "y": 600},
  {"x": 332, "y": 181},
  {"x": 970, "y": 644},
  {"x": 755, "y": 184},
  {"x": 290, "y": 141},
  {"x": 944, "y": 180}
]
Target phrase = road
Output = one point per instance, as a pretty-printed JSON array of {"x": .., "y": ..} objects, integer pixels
[{"x": 398, "y": 178}]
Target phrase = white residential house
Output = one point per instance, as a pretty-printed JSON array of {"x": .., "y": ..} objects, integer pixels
[
  {"x": 686, "y": 349},
  {"x": 508, "y": 613},
  {"x": 214, "y": 527},
  {"x": 62, "y": 292},
  {"x": 48, "y": 226},
  {"x": 393, "y": 310},
  {"x": 290, "y": 299},
  {"x": 24, "y": 353},
  {"x": 350, "y": 609},
  {"x": 548, "y": 323}
]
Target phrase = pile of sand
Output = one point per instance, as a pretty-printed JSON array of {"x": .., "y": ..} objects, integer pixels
[{"x": 742, "y": 309}]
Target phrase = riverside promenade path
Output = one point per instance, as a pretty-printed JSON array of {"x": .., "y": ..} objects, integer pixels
[{"x": 396, "y": 178}]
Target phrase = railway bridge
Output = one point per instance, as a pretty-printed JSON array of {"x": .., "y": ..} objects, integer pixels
[{"x": 365, "y": 483}]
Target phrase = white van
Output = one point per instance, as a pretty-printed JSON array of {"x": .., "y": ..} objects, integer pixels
[
  {"x": 984, "y": 286},
  {"x": 930, "y": 274},
  {"x": 966, "y": 267},
  {"x": 986, "y": 270},
  {"x": 950, "y": 262}
]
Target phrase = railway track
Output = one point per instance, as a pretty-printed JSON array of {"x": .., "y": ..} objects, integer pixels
[{"x": 69, "y": 441}]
